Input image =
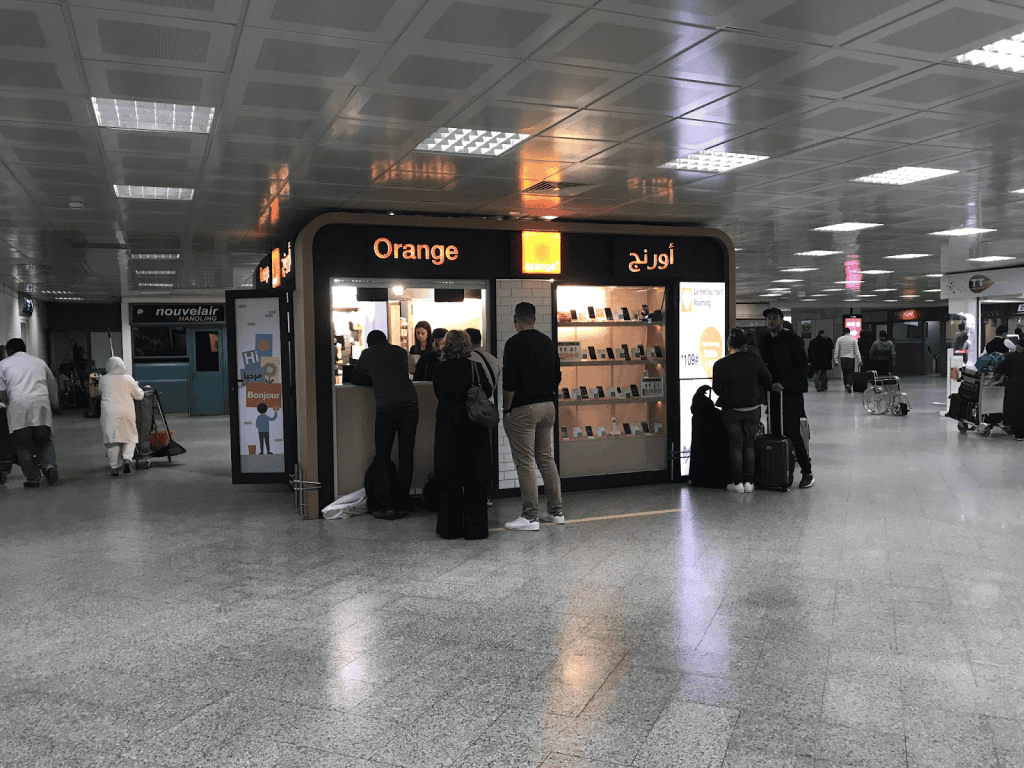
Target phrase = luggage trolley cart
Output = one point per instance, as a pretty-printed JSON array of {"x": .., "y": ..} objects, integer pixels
[
  {"x": 884, "y": 395},
  {"x": 982, "y": 396},
  {"x": 153, "y": 441}
]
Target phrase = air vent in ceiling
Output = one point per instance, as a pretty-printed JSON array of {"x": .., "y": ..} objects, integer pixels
[{"x": 557, "y": 188}]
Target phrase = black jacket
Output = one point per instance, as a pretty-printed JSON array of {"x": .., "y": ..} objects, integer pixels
[
  {"x": 425, "y": 366},
  {"x": 786, "y": 360},
  {"x": 819, "y": 352},
  {"x": 385, "y": 367},
  {"x": 740, "y": 380},
  {"x": 531, "y": 368},
  {"x": 462, "y": 448}
]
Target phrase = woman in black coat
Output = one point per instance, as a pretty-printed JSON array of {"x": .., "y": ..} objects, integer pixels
[
  {"x": 462, "y": 448},
  {"x": 1013, "y": 397}
]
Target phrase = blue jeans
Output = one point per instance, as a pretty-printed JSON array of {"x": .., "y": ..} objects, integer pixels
[
  {"x": 741, "y": 429},
  {"x": 35, "y": 450}
]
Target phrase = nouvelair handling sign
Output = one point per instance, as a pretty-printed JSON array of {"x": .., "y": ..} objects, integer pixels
[{"x": 177, "y": 314}]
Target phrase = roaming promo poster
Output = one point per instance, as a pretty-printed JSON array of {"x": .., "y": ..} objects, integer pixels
[
  {"x": 260, "y": 391},
  {"x": 701, "y": 342}
]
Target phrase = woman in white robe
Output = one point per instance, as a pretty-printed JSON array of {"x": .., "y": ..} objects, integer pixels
[{"x": 117, "y": 415}]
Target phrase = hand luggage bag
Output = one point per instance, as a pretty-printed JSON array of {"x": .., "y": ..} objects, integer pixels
[
  {"x": 860, "y": 380},
  {"x": 773, "y": 453}
]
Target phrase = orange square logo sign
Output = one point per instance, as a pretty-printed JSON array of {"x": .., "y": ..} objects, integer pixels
[
  {"x": 542, "y": 253},
  {"x": 263, "y": 393}
]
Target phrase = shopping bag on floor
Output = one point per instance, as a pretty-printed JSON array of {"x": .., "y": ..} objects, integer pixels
[{"x": 349, "y": 505}]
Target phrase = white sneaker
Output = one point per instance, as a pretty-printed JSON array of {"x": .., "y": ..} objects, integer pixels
[
  {"x": 547, "y": 517},
  {"x": 522, "y": 524},
  {"x": 734, "y": 487},
  {"x": 748, "y": 487}
]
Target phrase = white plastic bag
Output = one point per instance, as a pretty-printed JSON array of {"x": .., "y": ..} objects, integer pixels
[{"x": 349, "y": 505}]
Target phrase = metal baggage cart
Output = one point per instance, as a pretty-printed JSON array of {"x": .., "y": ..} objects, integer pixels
[
  {"x": 988, "y": 391},
  {"x": 153, "y": 441},
  {"x": 884, "y": 395}
]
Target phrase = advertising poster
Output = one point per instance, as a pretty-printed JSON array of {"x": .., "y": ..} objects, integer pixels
[
  {"x": 702, "y": 336},
  {"x": 260, "y": 388}
]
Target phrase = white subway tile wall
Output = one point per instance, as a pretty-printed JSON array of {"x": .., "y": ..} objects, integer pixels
[{"x": 507, "y": 294}]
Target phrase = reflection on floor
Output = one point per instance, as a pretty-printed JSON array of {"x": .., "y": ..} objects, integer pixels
[{"x": 169, "y": 619}]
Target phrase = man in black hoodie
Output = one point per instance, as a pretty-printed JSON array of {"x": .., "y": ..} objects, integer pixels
[
  {"x": 819, "y": 353},
  {"x": 783, "y": 353}
]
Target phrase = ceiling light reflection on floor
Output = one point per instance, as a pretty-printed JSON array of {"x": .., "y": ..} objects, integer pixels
[
  {"x": 846, "y": 226},
  {"x": 152, "y": 116},
  {"x": 962, "y": 232},
  {"x": 993, "y": 258},
  {"x": 819, "y": 253},
  {"x": 909, "y": 256}
]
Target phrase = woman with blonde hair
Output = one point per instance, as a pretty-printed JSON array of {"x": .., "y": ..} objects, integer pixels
[{"x": 462, "y": 451}]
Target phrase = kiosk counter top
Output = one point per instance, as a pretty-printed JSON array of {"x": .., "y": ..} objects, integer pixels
[{"x": 356, "y": 413}]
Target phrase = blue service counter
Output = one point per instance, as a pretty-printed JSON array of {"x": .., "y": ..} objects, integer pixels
[{"x": 169, "y": 379}]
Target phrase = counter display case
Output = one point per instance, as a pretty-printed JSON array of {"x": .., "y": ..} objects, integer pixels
[{"x": 612, "y": 405}]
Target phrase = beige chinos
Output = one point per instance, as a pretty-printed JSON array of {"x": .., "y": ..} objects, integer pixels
[{"x": 530, "y": 431}]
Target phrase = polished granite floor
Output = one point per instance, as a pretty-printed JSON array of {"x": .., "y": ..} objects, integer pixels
[{"x": 168, "y": 618}]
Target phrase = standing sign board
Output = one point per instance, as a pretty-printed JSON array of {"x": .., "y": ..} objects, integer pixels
[
  {"x": 261, "y": 411},
  {"x": 702, "y": 314}
]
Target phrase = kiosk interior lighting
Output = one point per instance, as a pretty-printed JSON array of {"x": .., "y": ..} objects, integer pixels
[
  {"x": 1002, "y": 54},
  {"x": 846, "y": 226},
  {"x": 467, "y": 141},
  {"x": 993, "y": 258},
  {"x": 818, "y": 253},
  {"x": 905, "y": 175},
  {"x": 153, "y": 193},
  {"x": 152, "y": 116},
  {"x": 397, "y": 290},
  {"x": 909, "y": 256},
  {"x": 799, "y": 269},
  {"x": 713, "y": 162},
  {"x": 962, "y": 232},
  {"x": 156, "y": 256}
]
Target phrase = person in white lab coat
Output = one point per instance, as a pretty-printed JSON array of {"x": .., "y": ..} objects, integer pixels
[
  {"x": 30, "y": 389},
  {"x": 117, "y": 415}
]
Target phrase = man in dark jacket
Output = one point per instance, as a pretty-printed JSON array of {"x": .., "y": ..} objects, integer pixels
[
  {"x": 385, "y": 367},
  {"x": 425, "y": 365},
  {"x": 819, "y": 355},
  {"x": 783, "y": 353}
]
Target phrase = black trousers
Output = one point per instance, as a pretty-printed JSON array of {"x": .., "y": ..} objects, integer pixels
[
  {"x": 463, "y": 511},
  {"x": 792, "y": 411},
  {"x": 848, "y": 364},
  {"x": 398, "y": 420}
]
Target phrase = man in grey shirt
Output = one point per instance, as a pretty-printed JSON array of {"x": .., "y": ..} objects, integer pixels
[{"x": 385, "y": 367}]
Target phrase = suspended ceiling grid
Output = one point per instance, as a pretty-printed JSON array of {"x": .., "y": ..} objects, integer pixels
[{"x": 320, "y": 105}]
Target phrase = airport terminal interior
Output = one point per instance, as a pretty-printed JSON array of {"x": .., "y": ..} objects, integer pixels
[
  {"x": 858, "y": 162},
  {"x": 872, "y": 620}
]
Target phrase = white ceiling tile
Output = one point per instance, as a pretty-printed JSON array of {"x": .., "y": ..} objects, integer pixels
[{"x": 557, "y": 85}]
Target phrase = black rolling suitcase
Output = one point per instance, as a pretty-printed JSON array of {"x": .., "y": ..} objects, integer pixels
[
  {"x": 709, "y": 445},
  {"x": 861, "y": 379},
  {"x": 773, "y": 452}
]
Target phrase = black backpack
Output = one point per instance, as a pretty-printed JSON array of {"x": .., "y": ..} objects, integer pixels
[{"x": 382, "y": 485}]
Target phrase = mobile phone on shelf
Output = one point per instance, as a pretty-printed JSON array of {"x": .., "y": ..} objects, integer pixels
[
  {"x": 565, "y": 393},
  {"x": 640, "y": 349},
  {"x": 625, "y": 428},
  {"x": 565, "y": 433},
  {"x": 625, "y": 313},
  {"x": 608, "y": 313},
  {"x": 591, "y": 313},
  {"x": 590, "y": 431},
  {"x": 611, "y": 353},
  {"x": 657, "y": 352},
  {"x": 592, "y": 352},
  {"x": 584, "y": 394},
  {"x": 633, "y": 389},
  {"x": 600, "y": 391},
  {"x": 625, "y": 352},
  {"x": 645, "y": 426},
  {"x": 573, "y": 315}
]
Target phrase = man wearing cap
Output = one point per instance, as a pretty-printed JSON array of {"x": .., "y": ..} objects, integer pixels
[{"x": 783, "y": 353}]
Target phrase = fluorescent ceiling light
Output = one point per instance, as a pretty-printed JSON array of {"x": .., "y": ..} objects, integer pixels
[
  {"x": 867, "y": 295},
  {"x": 911, "y": 296},
  {"x": 876, "y": 271},
  {"x": 961, "y": 232},
  {"x": 818, "y": 253},
  {"x": 847, "y": 226},
  {"x": 909, "y": 256},
  {"x": 881, "y": 290},
  {"x": 806, "y": 299},
  {"x": 799, "y": 269},
  {"x": 830, "y": 290},
  {"x": 152, "y": 116},
  {"x": 817, "y": 295},
  {"x": 154, "y": 272},
  {"x": 1018, "y": 191},
  {"x": 993, "y": 258},
  {"x": 713, "y": 162},
  {"x": 890, "y": 301},
  {"x": 467, "y": 141},
  {"x": 1002, "y": 54},
  {"x": 156, "y": 285},
  {"x": 153, "y": 193},
  {"x": 939, "y": 275},
  {"x": 905, "y": 175},
  {"x": 932, "y": 290},
  {"x": 788, "y": 280},
  {"x": 156, "y": 255}
]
